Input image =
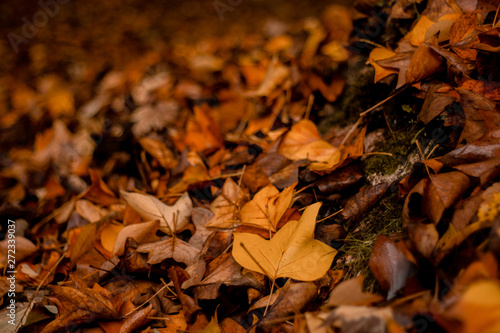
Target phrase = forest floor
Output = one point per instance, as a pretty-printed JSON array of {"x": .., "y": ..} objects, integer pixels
[{"x": 239, "y": 165}]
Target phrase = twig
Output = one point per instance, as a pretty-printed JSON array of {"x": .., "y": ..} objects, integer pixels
[
  {"x": 146, "y": 301},
  {"x": 331, "y": 215},
  {"x": 364, "y": 113},
  {"x": 309, "y": 106}
]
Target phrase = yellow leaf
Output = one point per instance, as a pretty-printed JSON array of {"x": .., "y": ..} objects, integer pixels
[
  {"x": 140, "y": 232},
  {"x": 490, "y": 208},
  {"x": 255, "y": 213},
  {"x": 304, "y": 142},
  {"x": 292, "y": 252},
  {"x": 417, "y": 34},
  {"x": 335, "y": 51},
  {"x": 109, "y": 234},
  {"x": 380, "y": 53},
  {"x": 479, "y": 307}
]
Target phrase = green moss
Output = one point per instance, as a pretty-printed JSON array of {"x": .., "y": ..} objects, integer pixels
[
  {"x": 398, "y": 145},
  {"x": 383, "y": 219}
]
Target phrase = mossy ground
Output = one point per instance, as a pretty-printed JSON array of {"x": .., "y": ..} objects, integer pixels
[{"x": 383, "y": 219}]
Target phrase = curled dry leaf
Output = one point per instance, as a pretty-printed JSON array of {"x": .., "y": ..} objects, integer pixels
[
  {"x": 292, "y": 252},
  {"x": 389, "y": 265},
  {"x": 172, "y": 218}
]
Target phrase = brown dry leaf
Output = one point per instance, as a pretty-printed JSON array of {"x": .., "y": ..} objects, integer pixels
[
  {"x": 172, "y": 218},
  {"x": 257, "y": 174},
  {"x": 201, "y": 217},
  {"x": 304, "y": 142},
  {"x": 99, "y": 192},
  {"x": 462, "y": 28},
  {"x": 390, "y": 265},
  {"x": 178, "y": 276},
  {"x": 442, "y": 192},
  {"x": 434, "y": 104},
  {"x": 350, "y": 292},
  {"x": 78, "y": 306},
  {"x": 339, "y": 180},
  {"x": 132, "y": 323},
  {"x": 177, "y": 249},
  {"x": 159, "y": 151},
  {"x": 229, "y": 272},
  {"x": 226, "y": 206},
  {"x": 423, "y": 64},
  {"x": 292, "y": 252},
  {"x": 292, "y": 298},
  {"x": 424, "y": 236},
  {"x": 267, "y": 207}
]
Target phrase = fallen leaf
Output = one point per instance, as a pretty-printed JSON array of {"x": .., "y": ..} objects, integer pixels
[
  {"x": 304, "y": 142},
  {"x": 423, "y": 64},
  {"x": 479, "y": 307},
  {"x": 417, "y": 35},
  {"x": 292, "y": 252},
  {"x": 267, "y": 207},
  {"x": 350, "y": 292},
  {"x": 159, "y": 151},
  {"x": 227, "y": 205},
  {"x": 389, "y": 265},
  {"x": 78, "y": 306},
  {"x": 140, "y": 232},
  {"x": 177, "y": 249},
  {"x": 293, "y": 297},
  {"x": 377, "y": 54},
  {"x": 172, "y": 218}
]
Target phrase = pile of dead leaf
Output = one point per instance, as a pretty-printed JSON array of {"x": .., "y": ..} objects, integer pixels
[{"x": 191, "y": 190}]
